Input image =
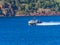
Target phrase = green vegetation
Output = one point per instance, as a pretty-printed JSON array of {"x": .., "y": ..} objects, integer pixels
[
  {"x": 58, "y": 0},
  {"x": 34, "y": 5}
]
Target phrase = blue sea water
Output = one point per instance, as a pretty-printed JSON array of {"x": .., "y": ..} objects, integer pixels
[{"x": 16, "y": 31}]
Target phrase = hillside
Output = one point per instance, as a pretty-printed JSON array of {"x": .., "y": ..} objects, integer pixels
[
  {"x": 31, "y": 7},
  {"x": 58, "y": 0}
]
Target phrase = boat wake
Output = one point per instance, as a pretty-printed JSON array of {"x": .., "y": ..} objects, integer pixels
[{"x": 47, "y": 23}]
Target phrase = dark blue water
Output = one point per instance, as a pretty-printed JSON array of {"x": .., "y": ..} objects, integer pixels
[{"x": 16, "y": 31}]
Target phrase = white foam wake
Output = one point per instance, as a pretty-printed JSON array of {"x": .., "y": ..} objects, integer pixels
[{"x": 48, "y": 23}]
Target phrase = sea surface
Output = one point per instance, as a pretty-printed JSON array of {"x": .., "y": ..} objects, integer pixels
[{"x": 16, "y": 31}]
